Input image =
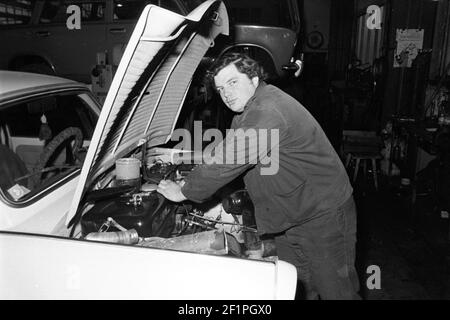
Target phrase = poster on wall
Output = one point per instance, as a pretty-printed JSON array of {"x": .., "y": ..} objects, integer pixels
[{"x": 409, "y": 42}]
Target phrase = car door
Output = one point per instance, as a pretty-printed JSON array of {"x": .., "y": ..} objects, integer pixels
[
  {"x": 72, "y": 52},
  {"x": 16, "y": 25}
]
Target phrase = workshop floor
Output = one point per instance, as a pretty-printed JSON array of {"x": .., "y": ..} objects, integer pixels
[{"x": 412, "y": 250}]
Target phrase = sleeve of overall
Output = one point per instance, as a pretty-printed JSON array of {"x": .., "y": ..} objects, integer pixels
[{"x": 237, "y": 153}]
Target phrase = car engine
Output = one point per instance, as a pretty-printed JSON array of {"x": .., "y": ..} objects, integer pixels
[{"x": 132, "y": 212}]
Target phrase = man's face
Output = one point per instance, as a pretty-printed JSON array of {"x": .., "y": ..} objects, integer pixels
[{"x": 235, "y": 88}]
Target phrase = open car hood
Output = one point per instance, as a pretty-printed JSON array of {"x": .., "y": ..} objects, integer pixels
[{"x": 150, "y": 85}]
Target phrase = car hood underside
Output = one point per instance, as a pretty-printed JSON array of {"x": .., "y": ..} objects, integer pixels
[{"x": 150, "y": 85}]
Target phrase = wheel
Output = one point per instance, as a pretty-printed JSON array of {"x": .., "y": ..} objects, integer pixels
[{"x": 64, "y": 138}]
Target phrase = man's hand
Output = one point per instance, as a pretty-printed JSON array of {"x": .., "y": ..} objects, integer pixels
[{"x": 171, "y": 190}]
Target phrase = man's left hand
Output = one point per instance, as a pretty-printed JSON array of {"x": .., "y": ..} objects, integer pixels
[{"x": 171, "y": 190}]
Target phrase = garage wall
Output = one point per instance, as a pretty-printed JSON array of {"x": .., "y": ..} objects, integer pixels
[{"x": 405, "y": 87}]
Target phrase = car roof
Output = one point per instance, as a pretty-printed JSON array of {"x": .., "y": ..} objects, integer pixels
[{"x": 14, "y": 84}]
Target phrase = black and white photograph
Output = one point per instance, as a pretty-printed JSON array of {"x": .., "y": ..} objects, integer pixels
[{"x": 225, "y": 154}]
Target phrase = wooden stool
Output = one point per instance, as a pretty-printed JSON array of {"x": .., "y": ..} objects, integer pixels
[{"x": 364, "y": 157}]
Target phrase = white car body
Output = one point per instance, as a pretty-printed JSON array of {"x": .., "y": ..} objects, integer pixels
[{"x": 38, "y": 258}]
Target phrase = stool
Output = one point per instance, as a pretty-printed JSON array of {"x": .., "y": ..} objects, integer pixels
[{"x": 364, "y": 157}]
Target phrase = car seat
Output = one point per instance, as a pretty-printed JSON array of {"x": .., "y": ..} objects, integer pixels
[{"x": 11, "y": 168}]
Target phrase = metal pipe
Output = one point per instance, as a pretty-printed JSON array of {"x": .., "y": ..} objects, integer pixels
[{"x": 125, "y": 237}]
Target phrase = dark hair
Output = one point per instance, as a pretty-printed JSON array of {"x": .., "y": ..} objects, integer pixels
[{"x": 243, "y": 63}]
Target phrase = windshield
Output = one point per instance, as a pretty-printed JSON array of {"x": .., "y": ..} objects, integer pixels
[{"x": 255, "y": 12}]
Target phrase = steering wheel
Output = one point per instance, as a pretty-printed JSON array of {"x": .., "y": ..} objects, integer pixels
[{"x": 64, "y": 137}]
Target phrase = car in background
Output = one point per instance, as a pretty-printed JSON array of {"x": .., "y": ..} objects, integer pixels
[
  {"x": 39, "y": 39},
  {"x": 119, "y": 238}
]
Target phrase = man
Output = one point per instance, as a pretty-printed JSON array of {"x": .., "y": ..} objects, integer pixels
[{"x": 307, "y": 205}]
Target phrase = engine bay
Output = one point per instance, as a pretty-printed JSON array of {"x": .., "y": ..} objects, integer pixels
[{"x": 131, "y": 211}]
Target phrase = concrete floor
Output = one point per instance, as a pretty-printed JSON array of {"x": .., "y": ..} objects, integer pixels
[{"x": 411, "y": 249}]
